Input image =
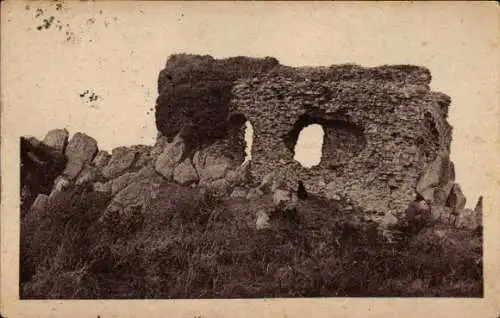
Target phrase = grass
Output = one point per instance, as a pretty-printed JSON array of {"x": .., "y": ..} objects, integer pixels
[{"x": 192, "y": 246}]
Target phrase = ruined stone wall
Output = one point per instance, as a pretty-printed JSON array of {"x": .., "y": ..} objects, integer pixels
[
  {"x": 386, "y": 134},
  {"x": 382, "y": 127}
]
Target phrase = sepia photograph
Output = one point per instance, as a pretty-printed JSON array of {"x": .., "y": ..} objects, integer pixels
[{"x": 227, "y": 151}]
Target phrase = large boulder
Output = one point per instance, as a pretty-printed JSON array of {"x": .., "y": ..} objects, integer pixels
[
  {"x": 134, "y": 194},
  {"x": 436, "y": 178},
  {"x": 185, "y": 173},
  {"x": 80, "y": 151},
  {"x": 170, "y": 157},
  {"x": 121, "y": 182},
  {"x": 122, "y": 159},
  {"x": 138, "y": 195},
  {"x": 213, "y": 162},
  {"x": 57, "y": 139}
]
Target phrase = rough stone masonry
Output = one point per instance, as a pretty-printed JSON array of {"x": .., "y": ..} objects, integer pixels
[{"x": 387, "y": 138}]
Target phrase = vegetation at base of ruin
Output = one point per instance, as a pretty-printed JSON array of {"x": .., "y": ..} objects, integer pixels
[{"x": 189, "y": 245}]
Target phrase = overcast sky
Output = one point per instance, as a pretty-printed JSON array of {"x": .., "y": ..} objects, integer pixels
[{"x": 93, "y": 67}]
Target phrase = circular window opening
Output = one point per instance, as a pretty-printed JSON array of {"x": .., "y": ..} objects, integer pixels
[{"x": 308, "y": 149}]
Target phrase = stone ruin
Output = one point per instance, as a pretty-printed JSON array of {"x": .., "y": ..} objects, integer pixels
[{"x": 386, "y": 140}]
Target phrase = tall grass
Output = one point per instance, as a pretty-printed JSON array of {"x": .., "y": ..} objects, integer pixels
[{"x": 193, "y": 246}]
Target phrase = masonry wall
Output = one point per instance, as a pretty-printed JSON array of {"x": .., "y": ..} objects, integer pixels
[{"x": 382, "y": 127}]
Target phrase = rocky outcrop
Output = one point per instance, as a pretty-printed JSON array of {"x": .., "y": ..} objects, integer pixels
[
  {"x": 49, "y": 169},
  {"x": 170, "y": 157},
  {"x": 57, "y": 139}
]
